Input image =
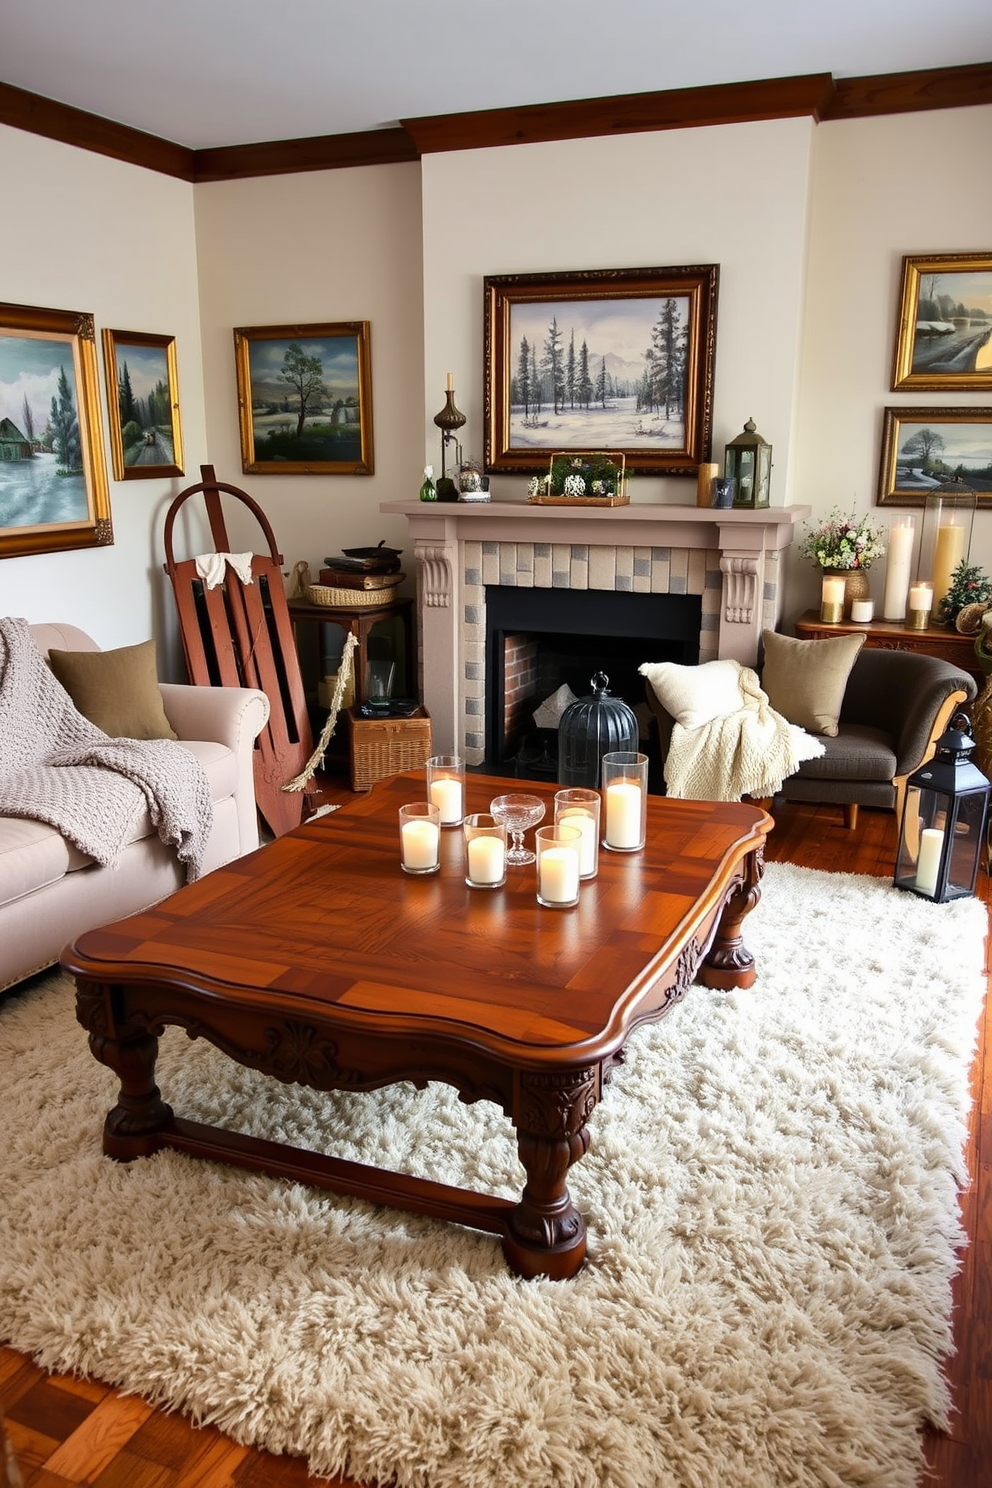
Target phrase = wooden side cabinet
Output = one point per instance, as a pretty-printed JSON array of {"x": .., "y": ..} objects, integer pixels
[{"x": 892, "y": 635}]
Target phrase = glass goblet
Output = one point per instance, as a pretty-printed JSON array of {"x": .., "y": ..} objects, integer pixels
[{"x": 519, "y": 812}]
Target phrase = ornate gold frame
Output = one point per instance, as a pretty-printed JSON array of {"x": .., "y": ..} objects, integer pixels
[
  {"x": 322, "y": 343},
  {"x": 915, "y": 344},
  {"x": 76, "y": 331},
  {"x": 115, "y": 344},
  {"x": 890, "y": 493},
  {"x": 583, "y": 294}
]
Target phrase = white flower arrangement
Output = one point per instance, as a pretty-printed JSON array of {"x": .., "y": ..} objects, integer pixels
[{"x": 844, "y": 541}]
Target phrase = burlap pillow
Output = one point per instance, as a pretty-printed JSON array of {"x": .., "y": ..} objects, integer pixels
[
  {"x": 695, "y": 695},
  {"x": 805, "y": 681},
  {"x": 116, "y": 690}
]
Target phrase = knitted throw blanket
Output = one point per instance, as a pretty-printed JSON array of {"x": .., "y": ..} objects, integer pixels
[
  {"x": 57, "y": 767},
  {"x": 748, "y": 752}
]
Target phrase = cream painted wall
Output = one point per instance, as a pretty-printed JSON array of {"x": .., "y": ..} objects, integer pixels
[
  {"x": 902, "y": 184},
  {"x": 732, "y": 195},
  {"x": 92, "y": 234},
  {"x": 305, "y": 249}
]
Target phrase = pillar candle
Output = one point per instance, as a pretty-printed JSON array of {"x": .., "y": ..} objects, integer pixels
[
  {"x": 575, "y": 816},
  {"x": 623, "y": 813},
  {"x": 898, "y": 564},
  {"x": 928, "y": 863},
  {"x": 832, "y": 590},
  {"x": 947, "y": 554},
  {"x": 921, "y": 597},
  {"x": 558, "y": 874},
  {"x": 419, "y": 839},
  {"x": 486, "y": 860},
  {"x": 446, "y": 793},
  {"x": 450, "y": 384}
]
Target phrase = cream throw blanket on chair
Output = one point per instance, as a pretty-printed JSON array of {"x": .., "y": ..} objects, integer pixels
[{"x": 727, "y": 740}]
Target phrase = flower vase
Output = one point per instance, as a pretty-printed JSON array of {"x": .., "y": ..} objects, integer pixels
[{"x": 855, "y": 585}]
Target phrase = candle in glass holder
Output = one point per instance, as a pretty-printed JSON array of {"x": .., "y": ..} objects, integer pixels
[
  {"x": 557, "y": 865},
  {"x": 420, "y": 835},
  {"x": 485, "y": 849},
  {"x": 446, "y": 787},
  {"x": 832, "y": 591},
  {"x": 625, "y": 786},
  {"x": 918, "y": 606},
  {"x": 898, "y": 563},
  {"x": 578, "y": 806},
  {"x": 947, "y": 554}
]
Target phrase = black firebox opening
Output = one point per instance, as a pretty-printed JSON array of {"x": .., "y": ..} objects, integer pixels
[{"x": 574, "y": 634}]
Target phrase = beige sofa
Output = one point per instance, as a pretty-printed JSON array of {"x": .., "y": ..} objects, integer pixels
[{"x": 51, "y": 892}]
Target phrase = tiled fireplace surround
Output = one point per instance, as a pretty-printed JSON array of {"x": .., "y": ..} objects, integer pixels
[{"x": 730, "y": 558}]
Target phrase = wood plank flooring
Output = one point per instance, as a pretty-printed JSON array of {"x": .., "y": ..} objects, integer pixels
[{"x": 68, "y": 1432}]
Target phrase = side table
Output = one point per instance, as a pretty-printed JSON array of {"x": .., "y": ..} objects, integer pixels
[
  {"x": 892, "y": 635},
  {"x": 359, "y": 620}
]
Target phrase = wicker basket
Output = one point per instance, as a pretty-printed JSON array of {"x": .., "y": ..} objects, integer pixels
[
  {"x": 381, "y": 747},
  {"x": 355, "y": 599}
]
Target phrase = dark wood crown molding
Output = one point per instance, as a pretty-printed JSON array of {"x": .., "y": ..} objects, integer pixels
[
  {"x": 815, "y": 95},
  {"x": 631, "y": 113},
  {"x": 73, "y": 126}
]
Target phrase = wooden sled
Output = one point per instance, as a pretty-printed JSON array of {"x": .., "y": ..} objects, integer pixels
[{"x": 241, "y": 635}]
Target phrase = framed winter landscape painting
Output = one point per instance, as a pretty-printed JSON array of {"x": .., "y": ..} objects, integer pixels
[
  {"x": 600, "y": 359},
  {"x": 143, "y": 397},
  {"x": 53, "y": 476},
  {"x": 944, "y": 335},
  {"x": 924, "y": 447},
  {"x": 305, "y": 399}
]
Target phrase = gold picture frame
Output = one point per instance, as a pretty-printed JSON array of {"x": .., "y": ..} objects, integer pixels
[
  {"x": 54, "y": 492},
  {"x": 316, "y": 377},
  {"x": 924, "y": 447},
  {"x": 655, "y": 404},
  {"x": 142, "y": 377},
  {"x": 944, "y": 333}
]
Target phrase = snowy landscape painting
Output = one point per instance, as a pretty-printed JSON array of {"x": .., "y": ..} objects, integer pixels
[
  {"x": 925, "y": 448},
  {"x": 53, "y": 483},
  {"x": 612, "y": 359}
]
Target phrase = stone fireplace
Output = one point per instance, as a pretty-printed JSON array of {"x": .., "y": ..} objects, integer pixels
[{"x": 729, "y": 559}]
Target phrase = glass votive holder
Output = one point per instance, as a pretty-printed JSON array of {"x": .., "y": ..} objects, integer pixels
[
  {"x": 723, "y": 491},
  {"x": 420, "y": 837},
  {"x": 919, "y": 603},
  {"x": 578, "y": 806},
  {"x": 558, "y": 848},
  {"x": 446, "y": 787},
  {"x": 832, "y": 592},
  {"x": 485, "y": 850},
  {"x": 625, "y": 797}
]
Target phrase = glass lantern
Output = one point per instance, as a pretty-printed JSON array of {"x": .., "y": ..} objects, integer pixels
[
  {"x": 748, "y": 463},
  {"x": 943, "y": 821},
  {"x": 945, "y": 541},
  {"x": 589, "y": 728}
]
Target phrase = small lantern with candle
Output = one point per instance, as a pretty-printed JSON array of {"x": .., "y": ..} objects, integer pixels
[
  {"x": 942, "y": 833},
  {"x": 748, "y": 462}
]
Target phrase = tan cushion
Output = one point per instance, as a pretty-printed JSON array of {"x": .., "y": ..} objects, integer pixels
[
  {"x": 695, "y": 695},
  {"x": 805, "y": 681},
  {"x": 116, "y": 690}
]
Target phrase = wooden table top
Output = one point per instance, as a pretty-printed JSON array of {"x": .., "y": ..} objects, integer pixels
[{"x": 324, "y": 917}]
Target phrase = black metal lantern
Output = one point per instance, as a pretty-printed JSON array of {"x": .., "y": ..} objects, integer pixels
[
  {"x": 943, "y": 821},
  {"x": 748, "y": 463},
  {"x": 589, "y": 728}
]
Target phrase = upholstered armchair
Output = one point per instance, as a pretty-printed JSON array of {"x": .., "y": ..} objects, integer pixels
[{"x": 895, "y": 705}]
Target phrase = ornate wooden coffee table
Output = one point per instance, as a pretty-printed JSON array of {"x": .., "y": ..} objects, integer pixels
[{"x": 317, "y": 961}]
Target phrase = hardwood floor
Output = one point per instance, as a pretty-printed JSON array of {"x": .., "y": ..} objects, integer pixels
[{"x": 68, "y": 1432}]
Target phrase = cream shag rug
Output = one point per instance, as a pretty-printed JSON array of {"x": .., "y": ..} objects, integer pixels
[{"x": 771, "y": 1203}]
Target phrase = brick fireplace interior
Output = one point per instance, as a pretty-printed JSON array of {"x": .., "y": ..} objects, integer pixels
[{"x": 540, "y": 639}]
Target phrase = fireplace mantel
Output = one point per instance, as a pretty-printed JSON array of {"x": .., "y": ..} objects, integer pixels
[{"x": 729, "y": 557}]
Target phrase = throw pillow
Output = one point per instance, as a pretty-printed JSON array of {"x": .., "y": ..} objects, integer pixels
[
  {"x": 695, "y": 695},
  {"x": 116, "y": 690},
  {"x": 805, "y": 681}
]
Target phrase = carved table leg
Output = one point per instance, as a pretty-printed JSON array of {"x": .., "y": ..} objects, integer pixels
[
  {"x": 546, "y": 1235},
  {"x": 132, "y": 1127},
  {"x": 729, "y": 962}
]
